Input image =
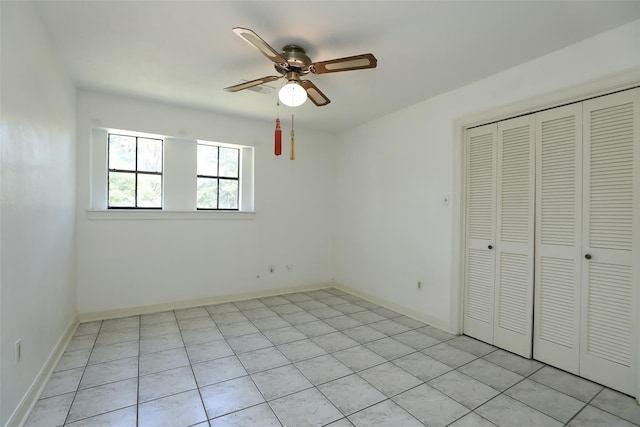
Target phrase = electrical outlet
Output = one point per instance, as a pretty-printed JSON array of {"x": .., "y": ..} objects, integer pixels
[
  {"x": 18, "y": 350},
  {"x": 419, "y": 285}
]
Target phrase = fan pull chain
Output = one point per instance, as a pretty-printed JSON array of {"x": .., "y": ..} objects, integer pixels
[
  {"x": 277, "y": 147},
  {"x": 293, "y": 142}
]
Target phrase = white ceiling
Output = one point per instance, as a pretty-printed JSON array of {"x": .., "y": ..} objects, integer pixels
[{"x": 184, "y": 52}]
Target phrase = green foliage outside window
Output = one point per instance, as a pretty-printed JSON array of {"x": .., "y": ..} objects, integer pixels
[
  {"x": 135, "y": 172},
  {"x": 218, "y": 177}
]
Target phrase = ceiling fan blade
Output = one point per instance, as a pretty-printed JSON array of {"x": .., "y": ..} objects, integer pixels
[
  {"x": 357, "y": 62},
  {"x": 254, "y": 40},
  {"x": 314, "y": 93},
  {"x": 252, "y": 83}
]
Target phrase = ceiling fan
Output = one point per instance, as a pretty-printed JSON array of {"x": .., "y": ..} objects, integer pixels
[{"x": 292, "y": 62}]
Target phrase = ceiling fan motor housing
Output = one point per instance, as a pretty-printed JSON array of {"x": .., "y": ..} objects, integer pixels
[{"x": 297, "y": 60}]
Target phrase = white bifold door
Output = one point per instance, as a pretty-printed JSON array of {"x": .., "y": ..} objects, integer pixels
[
  {"x": 565, "y": 182},
  {"x": 586, "y": 288},
  {"x": 499, "y": 248},
  {"x": 611, "y": 241},
  {"x": 558, "y": 261}
]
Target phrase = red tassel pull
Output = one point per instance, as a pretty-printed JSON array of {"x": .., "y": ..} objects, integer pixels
[{"x": 278, "y": 139}]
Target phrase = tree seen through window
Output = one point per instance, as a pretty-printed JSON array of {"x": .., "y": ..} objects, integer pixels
[
  {"x": 135, "y": 172},
  {"x": 218, "y": 173}
]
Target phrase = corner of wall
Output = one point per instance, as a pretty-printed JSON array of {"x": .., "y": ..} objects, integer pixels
[{"x": 422, "y": 317}]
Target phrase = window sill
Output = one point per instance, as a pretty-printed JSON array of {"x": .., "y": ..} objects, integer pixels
[{"x": 151, "y": 214}]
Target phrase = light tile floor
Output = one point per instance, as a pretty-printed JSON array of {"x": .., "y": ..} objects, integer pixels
[{"x": 307, "y": 359}]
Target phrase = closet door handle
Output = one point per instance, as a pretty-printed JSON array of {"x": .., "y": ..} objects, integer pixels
[
  {"x": 588, "y": 256},
  {"x": 490, "y": 247}
]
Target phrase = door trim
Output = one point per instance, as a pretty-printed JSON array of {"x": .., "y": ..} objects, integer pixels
[{"x": 578, "y": 93}]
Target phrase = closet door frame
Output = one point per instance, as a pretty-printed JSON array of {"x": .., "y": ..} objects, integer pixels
[{"x": 601, "y": 86}]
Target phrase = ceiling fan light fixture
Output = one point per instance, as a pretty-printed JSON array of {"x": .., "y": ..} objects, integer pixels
[{"x": 292, "y": 94}]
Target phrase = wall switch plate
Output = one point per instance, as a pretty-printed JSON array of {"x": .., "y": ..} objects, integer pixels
[{"x": 445, "y": 200}]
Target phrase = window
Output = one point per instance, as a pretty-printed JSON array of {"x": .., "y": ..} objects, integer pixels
[
  {"x": 218, "y": 171},
  {"x": 135, "y": 172},
  {"x": 144, "y": 175}
]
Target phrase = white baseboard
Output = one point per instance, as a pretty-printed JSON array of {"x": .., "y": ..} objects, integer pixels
[
  {"x": 424, "y": 318},
  {"x": 154, "y": 308},
  {"x": 19, "y": 416}
]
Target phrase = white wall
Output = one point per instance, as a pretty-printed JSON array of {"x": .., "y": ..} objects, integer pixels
[
  {"x": 37, "y": 201},
  {"x": 133, "y": 263},
  {"x": 393, "y": 229}
]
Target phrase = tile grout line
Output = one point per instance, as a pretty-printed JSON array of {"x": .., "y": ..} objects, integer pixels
[
  {"x": 251, "y": 378},
  {"x": 604, "y": 410},
  {"x": 357, "y": 373},
  {"x": 247, "y": 372},
  {"x": 82, "y": 376},
  {"x": 328, "y": 353},
  {"x": 225, "y": 339},
  {"x": 195, "y": 380},
  {"x": 314, "y": 386},
  {"x": 255, "y": 321},
  {"x": 524, "y": 403}
]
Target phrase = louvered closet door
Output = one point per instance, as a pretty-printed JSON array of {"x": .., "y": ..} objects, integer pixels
[
  {"x": 480, "y": 227},
  {"x": 558, "y": 237},
  {"x": 513, "y": 322},
  {"x": 610, "y": 277}
]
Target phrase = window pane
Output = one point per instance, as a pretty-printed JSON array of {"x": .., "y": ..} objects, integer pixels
[
  {"x": 149, "y": 155},
  {"x": 149, "y": 191},
  {"x": 122, "y": 190},
  {"x": 229, "y": 162},
  {"x": 228, "y": 194},
  {"x": 207, "y": 193},
  {"x": 207, "y": 160},
  {"x": 122, "y": 152}
]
